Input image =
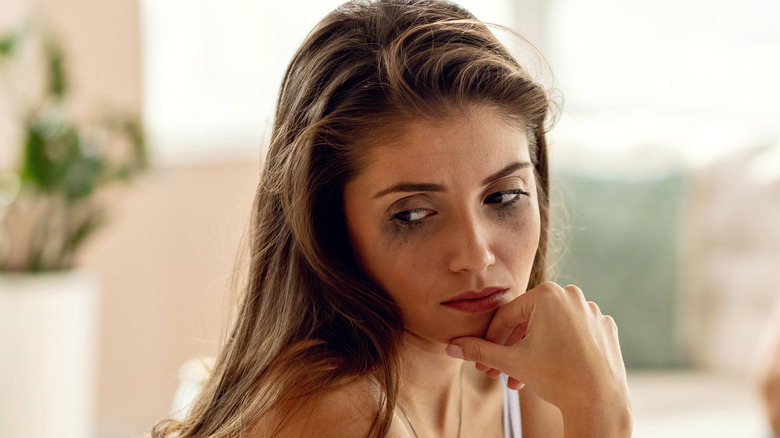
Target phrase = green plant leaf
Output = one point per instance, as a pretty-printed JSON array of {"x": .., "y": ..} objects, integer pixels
[
  {"x": 58, "y": 85},
  {"x": 81, "y": 178},
  {"x": 64, "y": 166},
  {"x": 135, "y": 132},
  {"x": 36, "y": 168},
  {"x": 8, "y": 44}
]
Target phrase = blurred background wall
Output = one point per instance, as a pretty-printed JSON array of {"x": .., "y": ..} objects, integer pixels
[
  {"x": 165, "y": 261},
  {"x": 666, "y": 158}
]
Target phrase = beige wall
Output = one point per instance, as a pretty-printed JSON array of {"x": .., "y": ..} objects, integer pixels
[
  {"x": 165, "y": 259},
  {"x": 102, "y": 39},
  {"x": 165, "y": 264}
]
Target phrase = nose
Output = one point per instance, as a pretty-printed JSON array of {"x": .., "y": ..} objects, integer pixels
[{"x": 471, "y": 251}]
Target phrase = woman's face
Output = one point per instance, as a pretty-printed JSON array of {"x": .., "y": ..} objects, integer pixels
[{"x": 444, "y": 217}]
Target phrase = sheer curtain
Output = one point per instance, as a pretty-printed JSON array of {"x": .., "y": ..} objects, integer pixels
[
  {"x": 697, "y": 76},
  {"x": 212, "y": 68}
]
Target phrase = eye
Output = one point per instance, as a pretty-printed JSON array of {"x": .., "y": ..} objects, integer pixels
[
  {"x": 413, "y": 216},
  {"x": 505, "y": 196}
]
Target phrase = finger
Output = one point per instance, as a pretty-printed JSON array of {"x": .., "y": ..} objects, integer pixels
[
  {"x": 515, "y": 384},
  {"x": 517, "y": 334},
  {"x": 481, "y": 351},
  {"x": 515, "y": 313},
  {"x": 506, "y": 319},
  {"x": 490, "y": 372}
]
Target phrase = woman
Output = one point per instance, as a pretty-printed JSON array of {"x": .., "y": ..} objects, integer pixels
[{"x": 400, "y": 227}]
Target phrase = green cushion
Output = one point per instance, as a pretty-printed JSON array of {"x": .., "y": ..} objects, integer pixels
[{"x": 621, "y": 247}]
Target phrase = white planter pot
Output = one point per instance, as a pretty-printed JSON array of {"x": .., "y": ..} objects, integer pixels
[{"x": 48, "y": 339}]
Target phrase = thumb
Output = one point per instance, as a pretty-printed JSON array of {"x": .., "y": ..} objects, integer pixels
[{"x": 484, "y": 352}]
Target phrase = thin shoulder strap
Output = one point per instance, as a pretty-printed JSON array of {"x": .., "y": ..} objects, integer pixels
[{"x": 511, "y": 414}]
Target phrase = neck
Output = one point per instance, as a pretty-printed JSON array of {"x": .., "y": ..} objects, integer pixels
[{"x": 432, "y": 388}]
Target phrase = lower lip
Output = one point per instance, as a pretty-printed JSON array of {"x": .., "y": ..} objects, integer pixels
[{"x": 479, "y": 305}]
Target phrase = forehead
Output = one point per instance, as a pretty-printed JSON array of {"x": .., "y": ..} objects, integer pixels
[{"x": 471, "y": 141}]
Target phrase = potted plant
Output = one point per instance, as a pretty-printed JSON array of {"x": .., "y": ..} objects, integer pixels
[{"x": 53, "y": 172}]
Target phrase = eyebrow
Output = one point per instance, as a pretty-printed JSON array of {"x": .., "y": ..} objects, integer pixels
[
  {"x": 506, "y": 171},
  {"x": 429, "y": 187},
  {"x": 410, "y": 187}
]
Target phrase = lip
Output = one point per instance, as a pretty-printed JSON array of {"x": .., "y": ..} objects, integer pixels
[{"x": 484, "y": 300}]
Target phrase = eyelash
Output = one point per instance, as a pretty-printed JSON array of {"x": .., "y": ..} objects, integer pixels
[
  {"x": 413, "y": 223},
  {"x": 516, "y": 192},
  {"x": 410, "y": 223}
]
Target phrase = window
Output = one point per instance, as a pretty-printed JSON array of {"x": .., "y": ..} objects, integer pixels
[
  {"x": 695, "y": 76},
  {"x": 212, "y": 69}
]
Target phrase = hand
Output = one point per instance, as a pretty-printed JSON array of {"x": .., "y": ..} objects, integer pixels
[{"x": 561, "y": 347}]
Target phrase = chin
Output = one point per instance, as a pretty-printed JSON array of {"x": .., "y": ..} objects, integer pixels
[{"x": 474, "y": 326}]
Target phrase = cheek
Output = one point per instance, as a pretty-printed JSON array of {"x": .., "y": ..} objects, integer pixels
[
  {"x": 519, "y": 228},
  {"x": 404, "y": 263},
  {"x": 403, "y": 251},
  {"x": 391, "y": 253}
]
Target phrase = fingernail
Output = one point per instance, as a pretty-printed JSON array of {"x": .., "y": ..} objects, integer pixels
[{"x": 455, "y": 351}]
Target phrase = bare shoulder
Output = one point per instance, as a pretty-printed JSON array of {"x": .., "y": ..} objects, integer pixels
[{"x": 347, "y": 410}]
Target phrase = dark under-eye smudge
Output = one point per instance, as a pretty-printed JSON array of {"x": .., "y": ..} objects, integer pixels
[
  {"x": 506, "y": 209},
  {"x": 394, "y": 233}
]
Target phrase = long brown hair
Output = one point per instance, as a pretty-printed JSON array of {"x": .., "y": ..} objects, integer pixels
[{"x": 309, "y": 318}]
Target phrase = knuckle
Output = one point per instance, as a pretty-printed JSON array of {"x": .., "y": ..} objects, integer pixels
[
  {"x": 548, "y": 287},
  {"x": 549, "y": 290},
  {"x": 475, "y": 354},
  {"x": 574, "y": 292},
  {"x": 611, "y": 324}
]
